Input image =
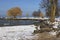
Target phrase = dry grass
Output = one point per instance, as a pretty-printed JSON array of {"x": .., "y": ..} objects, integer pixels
[{"x": 46, "y": 36}]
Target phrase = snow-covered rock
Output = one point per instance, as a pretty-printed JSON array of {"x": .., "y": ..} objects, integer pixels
[
  {"x": 55, "y": 25},
  {"x": 53, "y": 33}
]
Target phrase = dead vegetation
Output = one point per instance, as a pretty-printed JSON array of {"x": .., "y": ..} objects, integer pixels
[{"x": 47, "y": 36}]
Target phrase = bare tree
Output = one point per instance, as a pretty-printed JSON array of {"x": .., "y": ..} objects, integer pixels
[
  {"x": 51, "y": 8},
  {"x": 46, "y": 4}
]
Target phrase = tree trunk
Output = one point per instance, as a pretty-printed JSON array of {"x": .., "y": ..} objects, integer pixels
[
  {"x": 53, "y": 11},
  {"x": 14, "y": 16}
]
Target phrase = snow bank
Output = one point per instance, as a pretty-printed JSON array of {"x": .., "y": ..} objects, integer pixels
[{"x": 16, "y": 32}]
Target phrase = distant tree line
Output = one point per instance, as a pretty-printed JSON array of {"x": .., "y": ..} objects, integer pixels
[{"x": 37, "y": 14}]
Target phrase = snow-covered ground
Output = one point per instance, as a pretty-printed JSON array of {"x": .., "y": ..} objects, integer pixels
[{"x": 24, "y": 32}]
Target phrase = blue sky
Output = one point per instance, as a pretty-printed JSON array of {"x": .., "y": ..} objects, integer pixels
[{"x": 27, "y": 6}]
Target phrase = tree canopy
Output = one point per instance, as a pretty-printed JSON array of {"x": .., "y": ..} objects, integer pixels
[{"x": 16, "y": 11}]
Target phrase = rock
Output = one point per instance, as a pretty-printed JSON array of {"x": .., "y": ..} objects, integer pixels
[
  {"x": 56, "y": 29},
  {"x": 58, "y": 34},
  {"x": 37, "y": 31}
]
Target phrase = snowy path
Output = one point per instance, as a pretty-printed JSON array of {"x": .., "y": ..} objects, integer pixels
[{"x": 17, "y": 32}]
